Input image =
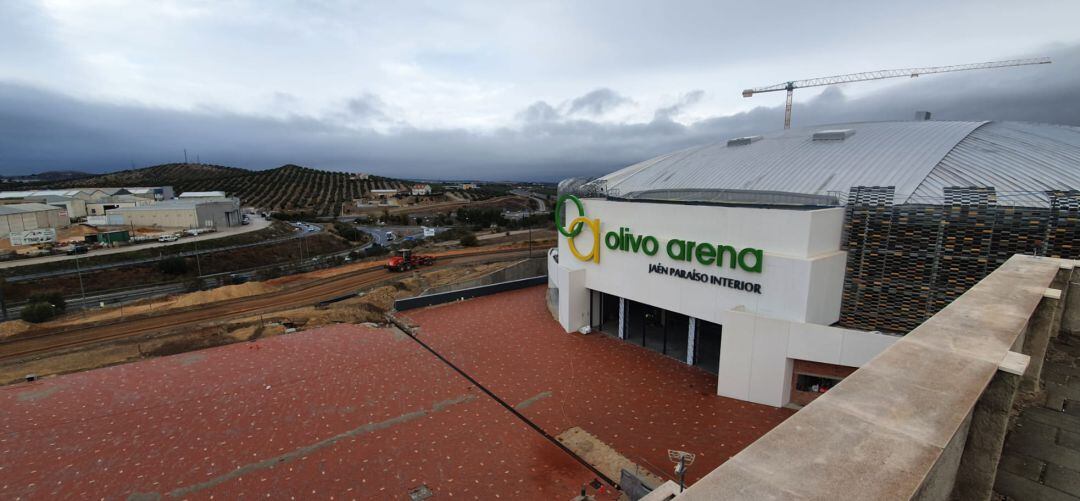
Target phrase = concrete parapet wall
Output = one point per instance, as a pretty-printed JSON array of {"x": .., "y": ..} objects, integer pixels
[
  {"x": 925, "y": 419},
  {"x": 526, "y": 268}
]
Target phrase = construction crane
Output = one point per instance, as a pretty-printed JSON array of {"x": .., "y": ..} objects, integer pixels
[{"x": 880, "y": 75}]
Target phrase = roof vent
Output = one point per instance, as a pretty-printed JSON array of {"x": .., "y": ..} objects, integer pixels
[
  {"x": 833, "y": 134},
  {"x": 743, "y": 141}
]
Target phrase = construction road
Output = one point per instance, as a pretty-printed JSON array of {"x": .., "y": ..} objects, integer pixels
[{"x": 297, "y": 295}]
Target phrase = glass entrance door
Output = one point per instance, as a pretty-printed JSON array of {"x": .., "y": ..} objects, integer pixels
[
  {"x": 707, "y": 346},
  {"x": 657, "y": 329},
  {"x": 609, "y": 314}
]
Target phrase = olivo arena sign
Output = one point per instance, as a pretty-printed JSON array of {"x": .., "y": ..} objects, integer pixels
[{"x": 624, "y": 240}]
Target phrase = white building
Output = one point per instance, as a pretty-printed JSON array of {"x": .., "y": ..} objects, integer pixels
[
  {"x": 203, "y": 195},
  {"x": 72, "y": 208},
  {"x": 729, "y": 256},
  {"x": 218, "y": 214},
  {"x": 16, "y": 218},
  {"x": 383, "y": 193},
  {"x": 421, "y": 190}
]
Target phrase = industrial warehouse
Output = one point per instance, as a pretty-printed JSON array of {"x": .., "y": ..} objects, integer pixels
[{"x": 783, "y": 262}]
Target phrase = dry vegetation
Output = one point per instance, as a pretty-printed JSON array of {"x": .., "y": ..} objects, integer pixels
[
  {"x": 287, "y": 188},
  {"x": 371, "y": 306}
]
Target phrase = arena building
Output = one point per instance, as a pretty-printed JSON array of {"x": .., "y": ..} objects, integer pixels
[{"x": 782, "y": 262}]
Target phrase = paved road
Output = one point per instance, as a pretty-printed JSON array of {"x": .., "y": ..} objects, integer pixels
[
  {"x": 401, "y": 233},
  {"x": 541, "y": 202},
  {"x": 302, "y": 230},
  {"x": 256, "y": 224}
]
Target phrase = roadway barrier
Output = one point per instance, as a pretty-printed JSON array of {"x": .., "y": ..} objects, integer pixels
[{"x": 410, "y": 303}]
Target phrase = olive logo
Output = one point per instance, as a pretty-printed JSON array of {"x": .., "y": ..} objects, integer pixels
[{"x": 579, "y": 223}]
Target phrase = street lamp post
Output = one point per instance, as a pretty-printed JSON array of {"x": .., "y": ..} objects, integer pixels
[
  {"x": 82, "y": 289},
  {"x": 198, "y": 264},
  {"x": 528, "y": 222}
]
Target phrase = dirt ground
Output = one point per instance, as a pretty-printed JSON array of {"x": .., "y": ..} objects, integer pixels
[
  {"x": 12, "y": 327},
  {"x": 603, "y": 456},
  {"x": 368, "y": 307},
  {"x": 161, "y": 304}
]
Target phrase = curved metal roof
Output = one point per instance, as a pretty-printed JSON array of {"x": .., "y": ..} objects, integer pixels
[{"x": 918, "y": 158}]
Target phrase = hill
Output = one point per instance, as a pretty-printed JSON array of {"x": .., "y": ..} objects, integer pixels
[
  {"x": 164, "y": 174},
  {"x": 286, "y": 188}
]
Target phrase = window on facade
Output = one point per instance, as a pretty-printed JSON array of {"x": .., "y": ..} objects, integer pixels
[{"x": 814, "y": 384}]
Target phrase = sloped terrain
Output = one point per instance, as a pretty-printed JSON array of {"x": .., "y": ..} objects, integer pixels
[
  {"x": 286, "y": 188},
  {"x": 156, "y": 175},
  {"x": 289, "y": 188}
]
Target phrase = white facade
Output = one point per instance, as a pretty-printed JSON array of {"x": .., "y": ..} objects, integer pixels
[
  {"x": 191, "y": 213},
  {"x": 800, "y": 284},
  {"x": 203, "y": 195},
  {"x": 16, "y": 218}
]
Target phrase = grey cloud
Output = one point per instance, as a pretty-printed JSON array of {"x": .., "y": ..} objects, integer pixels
[
  {"x": 539, "y": 112},
  {"x": 597, "y": 102},
  {"x": 42, "y": 130},
  {"x": 685, "y": 101},
  {"x": 367, "y": 107}
]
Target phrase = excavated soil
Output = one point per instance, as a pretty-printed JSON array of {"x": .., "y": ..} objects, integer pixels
[{"x": 12, "y": 327}]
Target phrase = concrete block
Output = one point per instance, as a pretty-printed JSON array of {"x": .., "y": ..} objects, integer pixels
[
  {"x": 986, "y": 436},
  {"x": 1024, "y": 466},
  {"x": 1020, "y": 488},
  {"x": 1049, "y": 453},
  {"x": 1063, "y": 479},
  {"x": 1057, "y": 394},
  {"x": 1014, "y": 363},
  {"x": 1029, "y": 431},
  {"x": 1053, "y": 418},
  {"x": 1072, "y": 407},
  {"x": 1037, "y": 340},
  {"x": 1069, "y": 439}
]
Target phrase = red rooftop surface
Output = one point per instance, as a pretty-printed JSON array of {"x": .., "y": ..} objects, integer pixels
[
  {"x": 635, "y": 400},
  {"x": 345, "y": 412},
  {"x": 350, "y": 412}
]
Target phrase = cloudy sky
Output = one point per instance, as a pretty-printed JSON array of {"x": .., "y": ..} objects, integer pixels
[{"x": 491, "y": 90}]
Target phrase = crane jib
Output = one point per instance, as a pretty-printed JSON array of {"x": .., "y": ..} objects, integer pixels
[{"x": 883, "y": 74}]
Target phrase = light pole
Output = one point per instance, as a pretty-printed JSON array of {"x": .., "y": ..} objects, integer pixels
[
  {"x": 82, "y": 290},
  {"x": 198, "y": 264},
  {"x": 682, "y": 460}
]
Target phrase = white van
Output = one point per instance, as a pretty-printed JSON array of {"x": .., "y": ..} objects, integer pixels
[{"x": 168, "y": 238}]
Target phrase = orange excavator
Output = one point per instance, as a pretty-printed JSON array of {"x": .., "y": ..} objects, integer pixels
[{"x": 405, "y": 260}]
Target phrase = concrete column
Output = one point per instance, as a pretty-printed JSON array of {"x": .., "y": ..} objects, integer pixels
[
  {"x": 1037, "y": 338},
  {"x": 573, "y": 299},
  {"x": 986, "y": 436},
  {"x": 754, "y": 365},
  {"x": 1070, "y": 321},
  {"x": 691, "y": 338},
  {"x": 622, "y": 318},
  {"x": 1061, "y": 283}
]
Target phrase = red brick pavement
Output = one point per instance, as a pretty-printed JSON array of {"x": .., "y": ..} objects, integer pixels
[
  {"x": 345, "y": 412},
  {"x": 640, "y": 402}
]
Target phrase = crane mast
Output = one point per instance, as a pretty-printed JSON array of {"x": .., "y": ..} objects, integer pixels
[{"x": 880, "y": 75}]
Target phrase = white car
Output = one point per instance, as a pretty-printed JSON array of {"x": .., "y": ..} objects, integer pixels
[{"x": 168, "y": 238}]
